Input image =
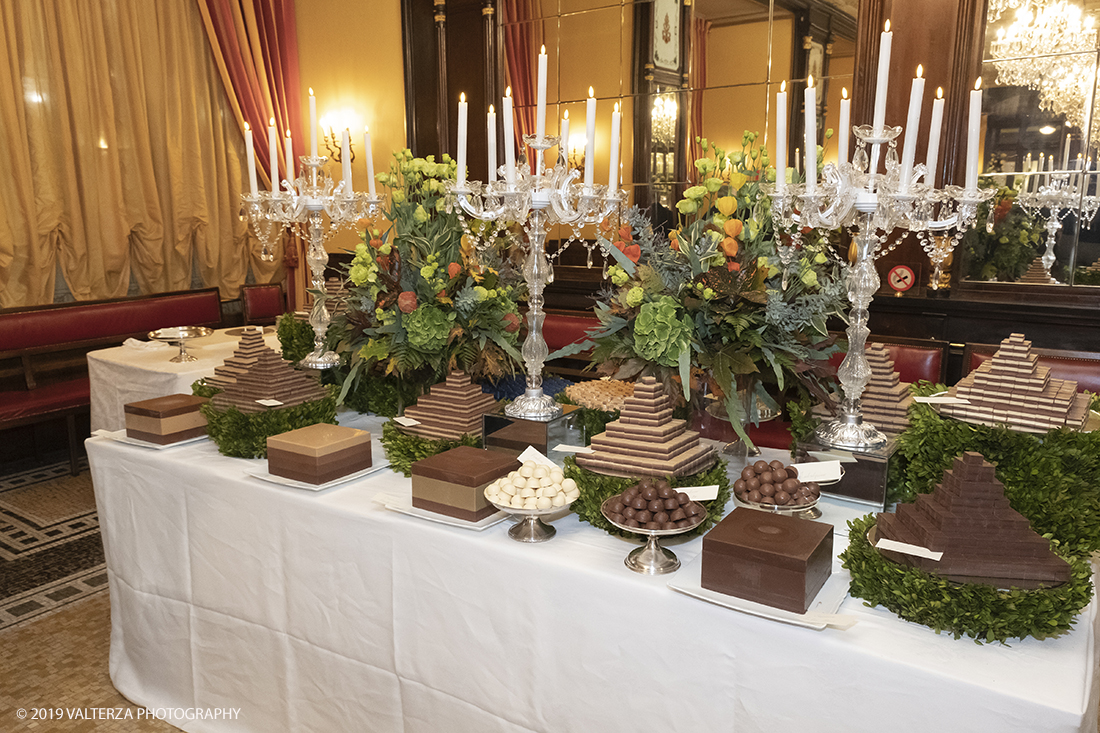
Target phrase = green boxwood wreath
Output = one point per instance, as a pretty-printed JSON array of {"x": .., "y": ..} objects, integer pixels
[
  {"x": 979, "y": 611},
  {"x": 245, "y": 436},
  {"x": 403, "y": 449},
  {"x": 596, "y": 488},
  {"x": 1052, "y": 479}
]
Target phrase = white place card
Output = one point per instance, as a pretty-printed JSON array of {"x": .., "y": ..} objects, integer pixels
[
  {"x": 941, "y": 399},
  {"x": 530, "y": 453},
  {"x": 407, "y": 422},
  {"x": 819, "y": 471},
  {"x": 269, "y": 403},
  {"x": 563, "y": 448},
  {"x": 700, "y": 493},
  {"x": 832, "y": 455},
  {"x": 907, "y": 549}
]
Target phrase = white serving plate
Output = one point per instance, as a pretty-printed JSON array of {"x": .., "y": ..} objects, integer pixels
[
  {"x": 120, "y": 436},
  {"x": 283, "y": 481},
  {"x": 822, "y": 613},
  {"x": 402, "y": 504}
]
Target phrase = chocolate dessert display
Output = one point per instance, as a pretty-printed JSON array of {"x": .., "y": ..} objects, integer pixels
[
  {"x": 886, "y": 399},
  {"x": 166, "y": 420},
  {"x": 451, "y": 409},
  {"x": 256, "y": 373},
  {"x": 1012, "y": 389},
  {"x": 646, "y": 440},
  {"x": 532, "y": 491},
  {"x": 768, "y": 558},
  {"x": 775, "y": 487},
  {"x": 318, "y": 454},
  {"x": 1037, "y": 274},
  {"x": 606, "y": 395},
  {"x": 453, "y": 482},
  {"x": 653, "y": 508},
  {"x": 983, "y": 539}
]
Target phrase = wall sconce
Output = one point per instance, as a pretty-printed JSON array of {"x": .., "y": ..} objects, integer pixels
[{"x": 332, "y": 145}]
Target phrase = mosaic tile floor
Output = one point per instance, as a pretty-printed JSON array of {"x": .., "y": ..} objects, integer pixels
[
  {"x": 60, "y": 661},
  {"x": 51, "y": 553}
]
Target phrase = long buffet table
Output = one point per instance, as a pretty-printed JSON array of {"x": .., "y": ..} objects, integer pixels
[{"x": 324, "y": 611}]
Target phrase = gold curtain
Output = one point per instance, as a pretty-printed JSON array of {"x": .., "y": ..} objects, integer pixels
[{"x": 123, "y": 154}]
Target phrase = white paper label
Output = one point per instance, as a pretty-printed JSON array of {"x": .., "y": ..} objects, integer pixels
[
  {"x": 907, "y": 549},
  {"x": 563, "y": 448},
  {"x": 530, "y": 453},
  {"x": 408, "y": 422},
  {"x": 269, "y": 403},
  {"x": 820, "y": 471},
  {"x": 832, "y": 455},
  {"x": 941, "y": 399},
  {"x": 700, "y": 493}
]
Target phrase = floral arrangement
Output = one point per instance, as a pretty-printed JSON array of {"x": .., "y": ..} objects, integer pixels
[
  {"x": 421, "y": 301},
  {"x": 710, "y": 308},
  {"x": 1004, "y": 241}
]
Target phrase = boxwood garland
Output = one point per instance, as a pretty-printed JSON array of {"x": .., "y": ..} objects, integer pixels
[
  {"x": 1052, "y": 479},
  {"x": 595, "y": 488},
  {"x": 403, "y": 449},
  {"x": 979, "y": 611},
  {"x": 245, "y": 436}
]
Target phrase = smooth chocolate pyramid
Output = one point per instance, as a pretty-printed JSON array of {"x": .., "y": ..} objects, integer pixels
[
  {"x": 256, "y": 372},
  {"x": 450, "y": 410},
  {"x": 983, "y": 539},
  {"x": 646, "y": 440}
]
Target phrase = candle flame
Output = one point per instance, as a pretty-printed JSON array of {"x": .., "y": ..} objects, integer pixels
[
  {"x": 920, "y": 70},
  {"x": 978, "y": 84},
  {"x": 508, "y": 92},
  {"x": 542, "y": 51},
  {"x": 492, "y": 110},
  {"x": 939, "y": 92},
  {"x": 887, "y": 28},
  {"x": 844, "y": 92},
  {"x": 366, "y": 128},
  {"x": 567, "y": 114},
  {"x": 311, "y": 91},
  {"x": 616, "y": 108},
  {"x": 591, "y": 92},
  {"x": 810, "y": 81},
  {"x": 288, "y": 134},
  {"x": 271, "y": 122},
  {"x": 783, "y": 87},
  {"x": 462, "y": 97},
  {"x": 247, "y": 127}
]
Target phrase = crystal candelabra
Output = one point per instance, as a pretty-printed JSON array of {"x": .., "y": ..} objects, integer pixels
[
  {"x": 535, "y": 201},
  {"x": 302, "y": 205},
  {"x": 857, "y": 196},
  {"x": 1061, "y": 196}
]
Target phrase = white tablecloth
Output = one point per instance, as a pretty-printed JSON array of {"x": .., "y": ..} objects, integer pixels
[
  {"x": 124, "y": 374},
  {"x": 326, "y": 612}
]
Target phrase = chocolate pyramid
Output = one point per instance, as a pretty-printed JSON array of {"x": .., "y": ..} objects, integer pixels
[
  {"x": 886, "y": 399},
  {"x": 1012, "y": 389},
  {"x": 646, "y": 440},
  {"x": 1094, "y": 267},
  {"x": 451, "y": 409},
  {"x": 1037, "y": 274},
  {"x": 983, "y": 539},
  {"x": 256, "y": 372}
]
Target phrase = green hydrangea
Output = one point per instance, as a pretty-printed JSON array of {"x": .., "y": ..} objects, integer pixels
[
  {"x": 635, "y": 296},
  {"x": 659, "y": 334},
  {"x": 428, "y": 328},
  {"x": 618, "y": 275}
]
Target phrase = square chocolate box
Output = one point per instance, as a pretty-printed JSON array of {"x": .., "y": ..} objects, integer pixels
[
  {"x": 165, "y": 420},
  {"x": 453, "y": 482},
  {"x": 317, "y": 454},
  {"x": 768, "y": 558}
]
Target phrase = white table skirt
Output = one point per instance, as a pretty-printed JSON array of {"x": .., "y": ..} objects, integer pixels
[
  {"x": 326, "y": 612},
  {"x": 124, "y": 374}
]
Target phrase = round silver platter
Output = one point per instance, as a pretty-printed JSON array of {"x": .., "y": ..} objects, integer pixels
[
  {"x": 180, "y": 335},
  {"x": 651, "y": 558},
  {"x": 802, "y": 511},
  {"x": 530, "y": 527}
]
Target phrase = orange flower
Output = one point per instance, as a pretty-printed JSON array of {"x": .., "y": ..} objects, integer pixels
[
  {"x": 732, "y": 266},
  {"x": 733, "y": 227},
  {"x": 674, "y": 239},
  {"x": 730, "y": 247},
  {"x": 513, "y": 322},
  {"x": 376, "y": 242},
  {"x": 407, "y": 301},
  {"x": 633, "y": 253},
  {"x": 453, "y": 269},
  {"x": 625, "y": 233}
]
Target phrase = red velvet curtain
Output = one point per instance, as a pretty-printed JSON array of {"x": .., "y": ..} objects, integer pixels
[
  {"x": 699, "y": 33},
  {"x": 522, "y": 34},
  {"x": 255, "y": 44}
]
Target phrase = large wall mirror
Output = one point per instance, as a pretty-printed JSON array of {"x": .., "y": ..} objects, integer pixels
[{"x": 1040, "y": 144}]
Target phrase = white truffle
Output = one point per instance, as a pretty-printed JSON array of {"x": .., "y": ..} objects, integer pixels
[
  {"x": 526, "y": 471},
  {"x": 544, "y": 502},
  {"x": 516, "y": 502},
  {"x": 569, "y": 484},
  {"x": 526, "y": 493},
  {"x": 560, "y": 500}
]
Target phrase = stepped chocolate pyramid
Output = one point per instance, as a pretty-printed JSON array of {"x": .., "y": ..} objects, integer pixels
[
  {"x": 1094, "y": 267},
  {"x": 646, "y": 440},
  {"x": 256, "y": 372},
  {"x": 1037, "y": 274},
  {"x": 1012, "y": 389},
  {"x": 983, "y": 539},
  {"x": 886, "y": 400},
  {"x": 451, "y": 409}
]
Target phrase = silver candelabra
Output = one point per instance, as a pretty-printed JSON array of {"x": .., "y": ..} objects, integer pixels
[
  {"x": 535, "y": 201},
  {"x": 873, "y": 205},
  {"x": 301, "y": 206},
  {"x": 1061, "y": 196}
]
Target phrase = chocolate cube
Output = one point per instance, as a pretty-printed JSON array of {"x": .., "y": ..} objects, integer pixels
[
  {"x": 768, "y": 558},
  {"x": 317, "y": 454},
  {"x": 453, "y": 482},
  {"x": 165, "y": 420}
]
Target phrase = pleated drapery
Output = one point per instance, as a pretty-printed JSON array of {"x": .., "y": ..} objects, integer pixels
[
  {"x": 123, "y": 154},
  {"x": 522, "y": 37},
  {"x": 699, "y": 32}
]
